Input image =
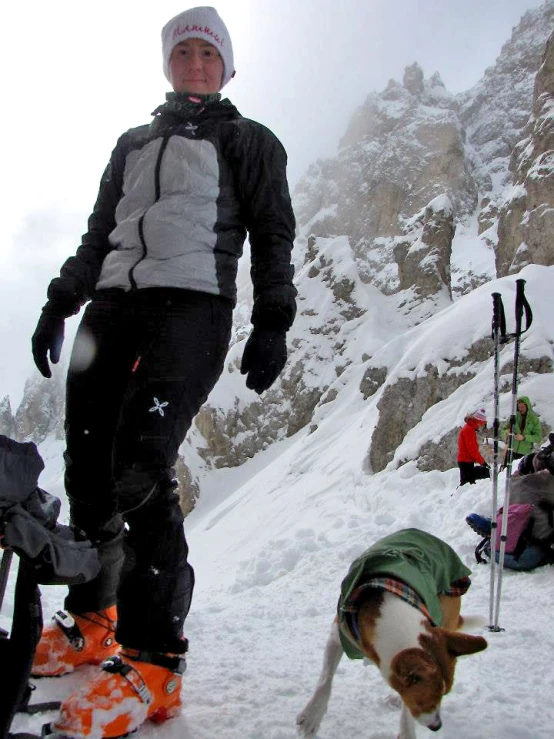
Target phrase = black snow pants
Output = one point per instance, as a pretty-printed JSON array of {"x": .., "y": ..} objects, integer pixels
[
  {"x": 470, "y": 472},
  {"x": 142, "y": 365}
]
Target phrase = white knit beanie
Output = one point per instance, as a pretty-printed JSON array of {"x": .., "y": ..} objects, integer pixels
[
  {"x": 204, "y": 23},
  {"x": 479, "y": 415}
]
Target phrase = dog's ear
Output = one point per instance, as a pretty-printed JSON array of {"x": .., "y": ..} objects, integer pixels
[
  {"x": 459, "y": 643},
  {"x": 410, "y": 667},
  {"x": 407, "y": 679}
]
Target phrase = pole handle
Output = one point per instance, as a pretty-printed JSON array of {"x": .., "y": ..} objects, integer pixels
[
  {"x": 498, "y": 319},
  {"x": 522, "y": 306}
]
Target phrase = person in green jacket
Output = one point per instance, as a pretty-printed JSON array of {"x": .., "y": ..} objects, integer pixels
[{"x": 527, "y": 429}]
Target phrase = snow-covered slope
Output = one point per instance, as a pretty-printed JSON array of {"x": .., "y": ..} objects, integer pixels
[{"x": 271, "y": 540}]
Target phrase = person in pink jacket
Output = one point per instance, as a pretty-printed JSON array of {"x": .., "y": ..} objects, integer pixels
[{"x": 471, "y": 463}]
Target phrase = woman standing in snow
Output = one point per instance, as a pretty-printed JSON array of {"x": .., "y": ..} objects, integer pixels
[
  {"x": 471, "y": 462},
  {"x": 159, "y": 265},
  {"x": 527, "y": 429}
]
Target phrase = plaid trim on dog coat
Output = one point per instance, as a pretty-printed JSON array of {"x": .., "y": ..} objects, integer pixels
[{"x": 425, "y": 563}]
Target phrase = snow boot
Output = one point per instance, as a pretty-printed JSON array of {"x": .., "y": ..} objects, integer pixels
[
  {"x": 480, "y": 524},
  {"x": 72, "y": 640},
  {"x": 130, "y": 688}
]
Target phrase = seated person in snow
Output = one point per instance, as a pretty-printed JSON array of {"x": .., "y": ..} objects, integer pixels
[
  {"x": 536, "y": 461},
  {"x": 534, "y": 485},
  {"x": 529, "y": 553}
]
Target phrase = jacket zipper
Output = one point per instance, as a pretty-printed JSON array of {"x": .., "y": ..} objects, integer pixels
[{"x": 157, "y": 184}]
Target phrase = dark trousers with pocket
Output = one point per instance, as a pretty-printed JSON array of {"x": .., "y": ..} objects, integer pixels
[{"x": 142, "y": 365}]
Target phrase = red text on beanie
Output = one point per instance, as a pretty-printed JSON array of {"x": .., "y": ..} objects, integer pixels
[{"x": 203, "y": 23}]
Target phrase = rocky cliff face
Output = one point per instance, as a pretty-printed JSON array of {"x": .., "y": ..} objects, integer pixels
[
  {"x": 7, "y": 421},
  {"x": 497, "y": 109},
  {"x": 415, "y": 141},
  {"x": 430, "y": 196},
  {"x": 39, "y": 414},
  {"x": 403, "y": 149},
  {"x": 236, "y": 424},
  {"x": 424, "y": 264},
  {"x": 526, "y": 222}
]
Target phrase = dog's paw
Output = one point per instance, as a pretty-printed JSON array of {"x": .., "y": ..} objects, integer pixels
[{"x": 307, "y": 723}]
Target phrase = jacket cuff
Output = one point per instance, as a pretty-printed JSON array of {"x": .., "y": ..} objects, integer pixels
[
  {"x": 274, "y": 317},
  {"x": 63, "y": 300},
  {"x": 277, "y": 315}
]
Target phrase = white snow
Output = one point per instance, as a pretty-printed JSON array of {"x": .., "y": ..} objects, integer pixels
[
  {"x": 271, "y": 541},
  {"x": 441, "y": 203}
]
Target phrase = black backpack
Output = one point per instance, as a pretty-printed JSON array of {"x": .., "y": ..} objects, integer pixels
[{"x": 49, "y": 553}]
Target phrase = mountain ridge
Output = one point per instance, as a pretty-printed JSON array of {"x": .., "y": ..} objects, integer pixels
[{"x": 417, "y": 210}]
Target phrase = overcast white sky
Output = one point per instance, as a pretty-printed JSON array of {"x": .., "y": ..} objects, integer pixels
[{"x": 76, "y": 75}]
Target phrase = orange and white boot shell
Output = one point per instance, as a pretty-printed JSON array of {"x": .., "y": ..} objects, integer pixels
[
  {"x": 73, "y": 640},
  {"x": 121, "y": 697}
]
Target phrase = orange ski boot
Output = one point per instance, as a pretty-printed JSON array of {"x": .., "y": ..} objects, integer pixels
[
  {"x": 130, "y": 688},
  {"x": 73, "y": 640}
]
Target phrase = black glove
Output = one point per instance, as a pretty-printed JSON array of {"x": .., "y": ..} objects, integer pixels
[
  {"x": 48, "y": 337},
  {"x": 264, "y": 357}
]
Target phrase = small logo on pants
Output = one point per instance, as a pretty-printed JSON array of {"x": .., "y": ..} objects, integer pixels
[{"x": 158, "y": 407}]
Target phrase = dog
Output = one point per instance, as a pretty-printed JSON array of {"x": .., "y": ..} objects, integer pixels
[{"x": 400, "y": 608}]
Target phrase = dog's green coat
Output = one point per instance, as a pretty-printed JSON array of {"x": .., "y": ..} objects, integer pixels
[{"x": 424, "y": 562}]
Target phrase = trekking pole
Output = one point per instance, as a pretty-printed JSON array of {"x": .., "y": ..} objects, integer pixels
[
  {"x": 521, "y": 305},
  {"x": 498, "y": 337},
  {"x": 7, "y": 556},
  {"x": 5, "y": 564}
]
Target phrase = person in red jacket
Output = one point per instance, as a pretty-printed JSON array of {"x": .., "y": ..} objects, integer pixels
[{"x": 471, "y": 463}]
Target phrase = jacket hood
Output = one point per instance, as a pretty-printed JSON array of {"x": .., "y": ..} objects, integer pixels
[{"x": 525, "y": 399}]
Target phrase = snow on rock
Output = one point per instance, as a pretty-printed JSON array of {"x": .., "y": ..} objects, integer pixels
[{"x": 527, "y": 214}]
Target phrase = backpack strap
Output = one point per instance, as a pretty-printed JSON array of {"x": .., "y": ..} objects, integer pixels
[
  {"x": 550, "y": 513},
  {"x": 19, "y": 650},
  {"x": 480, "y": 548}
]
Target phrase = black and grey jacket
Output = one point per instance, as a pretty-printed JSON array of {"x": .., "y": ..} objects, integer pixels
[{"x": 174, "y": 207}]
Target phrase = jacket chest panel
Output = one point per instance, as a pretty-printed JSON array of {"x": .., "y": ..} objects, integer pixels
[
  {"x": 190, "y": 166},
  {"x": 167, "y": 168}
]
